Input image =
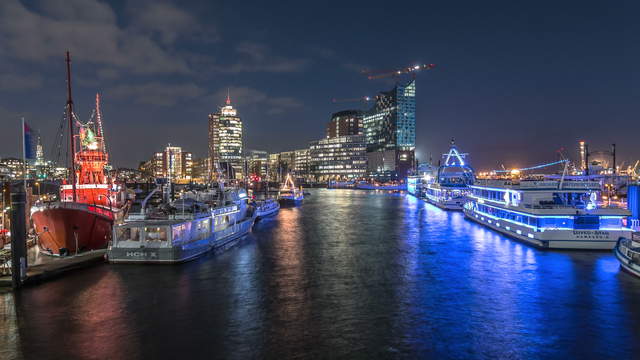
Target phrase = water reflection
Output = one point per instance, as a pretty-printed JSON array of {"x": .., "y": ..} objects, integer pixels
[{"x": 351, "y": 274}]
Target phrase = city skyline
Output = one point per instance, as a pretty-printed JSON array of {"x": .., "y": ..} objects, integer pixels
[{"x": 508, "y": 97}]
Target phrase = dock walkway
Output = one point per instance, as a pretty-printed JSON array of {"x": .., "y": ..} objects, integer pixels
[{"x": 55, "y": 267}]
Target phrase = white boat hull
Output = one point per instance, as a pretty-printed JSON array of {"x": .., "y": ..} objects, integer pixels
[
  {"x": 626, "y": 262},
  {"x": 447, "y": 204},
  {"x": 552, "y": 239}
]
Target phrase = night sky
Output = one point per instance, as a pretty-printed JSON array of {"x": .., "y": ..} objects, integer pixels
[{"x": 514, "y": 80}]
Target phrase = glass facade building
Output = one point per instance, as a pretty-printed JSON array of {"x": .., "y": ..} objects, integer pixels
[{"x": 390, "y": 132}]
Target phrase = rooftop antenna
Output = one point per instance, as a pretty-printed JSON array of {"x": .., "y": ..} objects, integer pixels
[{"x": 228, "y": 98}]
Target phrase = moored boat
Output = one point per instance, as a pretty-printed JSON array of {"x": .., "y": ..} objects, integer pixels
[
  {"x": 451, "y": 183},
  {"x": 555, "y": 214},
  {"x": 627, "y": 251},
  {"x": 89, "y": 201},
  {"x": 183, "y": 230},
  {"x": 289, "y": 194},
  {"x": 266, "y": 208}
]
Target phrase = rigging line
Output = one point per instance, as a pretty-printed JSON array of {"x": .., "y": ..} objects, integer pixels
[
  {"x": 57, "y": 141},
  {"x": 535, "y": 167}
]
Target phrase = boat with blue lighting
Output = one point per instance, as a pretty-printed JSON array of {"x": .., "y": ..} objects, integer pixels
[
  {"x": 181, "y": 230},
  {"x": 266, "y": 208},
  {"x": 447, "y": 190},
  {"x": 548, "y": 213}
]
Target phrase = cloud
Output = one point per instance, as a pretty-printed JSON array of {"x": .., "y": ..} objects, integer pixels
[
  {"x": 156, "y": 93},
  {"x": 17, "y": 82},
  {"x": 169, "y": 22},
  {"x": 256, "y": 57},
  {"x": 88, "y": 28},
  {"x": 250, "y": 97},
  {"x": 108, "y": 73}
]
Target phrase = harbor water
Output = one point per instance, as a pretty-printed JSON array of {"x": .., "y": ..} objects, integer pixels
[{"x": 349, "y": 274}]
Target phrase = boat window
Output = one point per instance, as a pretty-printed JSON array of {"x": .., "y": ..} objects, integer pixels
[
  {"x": 611, "y": 222},
  {"x": 203, "y": 229},
  {"x": 555, "y": 223},
  {"x": 155, "y": 233},
  {"x": 128, "y": 234},
  {"x": 587, "y": 222},
  {"x": 181, "y": 232}
]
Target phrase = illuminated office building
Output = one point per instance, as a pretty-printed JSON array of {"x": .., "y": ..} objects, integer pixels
[
  {"x": 390, "y": 132},
  {"x": 225, "y": 142},
  {"x": 338, "y": 158},
  {"x": 173, "y": 163}
]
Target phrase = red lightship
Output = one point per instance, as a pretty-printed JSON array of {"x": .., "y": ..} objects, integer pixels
[{"x": 90, "y": 201}]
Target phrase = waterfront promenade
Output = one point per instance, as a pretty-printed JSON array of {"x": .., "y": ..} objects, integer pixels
[{"x": 349, "y": 274}]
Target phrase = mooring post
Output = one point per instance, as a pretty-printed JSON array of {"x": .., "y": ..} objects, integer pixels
[{"x": 18, "y": 236}]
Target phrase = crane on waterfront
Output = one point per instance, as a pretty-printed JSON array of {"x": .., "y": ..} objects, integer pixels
[
  {"x": 380, "y": 74},
  {"x": 364, "y": 99}
]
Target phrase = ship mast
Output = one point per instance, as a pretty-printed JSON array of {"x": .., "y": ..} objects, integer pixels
[
  {"x": 99, "y": 124},
  {"x": 70, "y": 117}
]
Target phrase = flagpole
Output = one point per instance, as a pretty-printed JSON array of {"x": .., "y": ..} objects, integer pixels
[{"x": 24, "y": 157}]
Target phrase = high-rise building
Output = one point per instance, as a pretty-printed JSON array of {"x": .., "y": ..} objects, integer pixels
[
  {"x": 390, "y": 132},
  {"x": 339, "y": 158},
  {"x": 173, "y": 163},
  {"x": 343, "y": 123},
  {"x": 225, "y": 142}
]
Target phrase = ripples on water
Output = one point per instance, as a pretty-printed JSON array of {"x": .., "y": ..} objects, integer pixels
[{"x": 350, "y": 274}]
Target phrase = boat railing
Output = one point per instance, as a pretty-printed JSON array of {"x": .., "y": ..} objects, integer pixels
[
  {"x": 562, "y": 206},
  {"x": 630, "y": 248}
]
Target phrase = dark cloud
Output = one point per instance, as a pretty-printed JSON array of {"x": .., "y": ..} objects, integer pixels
[
  {"x": 254, "y": 57},
  {"x": 88, "y": 29},
  {"x": 249, "y": 97},
  {"x": 156, "y": 93},
  {"x": 20, "y": 82}
]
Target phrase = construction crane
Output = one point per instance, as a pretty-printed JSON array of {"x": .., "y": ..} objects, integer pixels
[
  {"x": 364, "y": 99},
  {"x": 561, "y": 153},
  {"x": 633, "y": 169},
  {"x": 379, "y": 74}
]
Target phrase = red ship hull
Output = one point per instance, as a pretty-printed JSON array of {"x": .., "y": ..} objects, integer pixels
[{"x": 66, "y": 227}]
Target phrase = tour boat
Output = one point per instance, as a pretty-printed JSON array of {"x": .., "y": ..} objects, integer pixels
[
  {"x": 627, "y": 251},
  {"x": 184, "y": 229},
  {"x": 266, "y": 208},
  {"x": 290, "y": 195},
  {"x": 555, "y": 214},
  {"x": 415, "y": 185},
  {"x": 89, "y": 201},
  {"x": 451, "y": 183}
]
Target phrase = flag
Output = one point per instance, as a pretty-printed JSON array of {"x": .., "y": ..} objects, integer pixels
[{"x": 28, "y": 141}]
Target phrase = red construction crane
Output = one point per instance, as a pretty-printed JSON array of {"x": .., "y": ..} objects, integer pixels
[{"x": 379, "y": 74}]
